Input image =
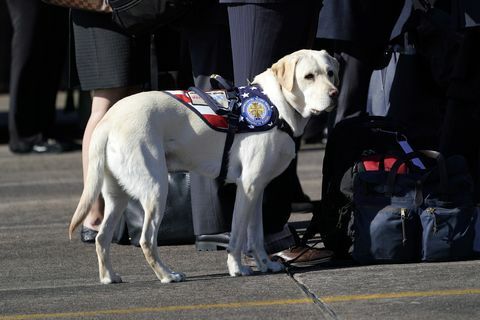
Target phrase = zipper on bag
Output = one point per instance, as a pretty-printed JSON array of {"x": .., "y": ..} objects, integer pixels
[
  {"x": 431, "y": 211},
  {"x": 403, "y": 216}
]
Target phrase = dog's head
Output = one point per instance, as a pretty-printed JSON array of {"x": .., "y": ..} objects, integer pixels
[{"x": 309, "y": 80}]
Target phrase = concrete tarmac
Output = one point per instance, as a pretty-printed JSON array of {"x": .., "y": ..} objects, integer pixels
[{"x": 44, "y": 275}]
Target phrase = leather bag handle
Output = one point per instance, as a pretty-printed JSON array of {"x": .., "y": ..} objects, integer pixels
[{"x": 415, "y": 154}]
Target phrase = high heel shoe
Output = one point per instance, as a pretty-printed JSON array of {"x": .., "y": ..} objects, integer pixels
[{"x": 88, "y": 235}]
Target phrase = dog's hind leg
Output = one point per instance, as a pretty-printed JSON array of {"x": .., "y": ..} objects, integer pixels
[
  {"x": 115, "y": 203},
  {"x": 255, "y": 242},
  {"x": 154, "y": 203}
]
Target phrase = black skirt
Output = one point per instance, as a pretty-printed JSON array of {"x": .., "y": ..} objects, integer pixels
[{"x": 106, "y": 57}]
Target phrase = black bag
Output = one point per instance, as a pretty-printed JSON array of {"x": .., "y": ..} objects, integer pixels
[
  {"x": 385, "y": 198},
  {"x": 347, "y": 141},
  {"x": 420, "y": 213},
  {"x": 138, "y": 17},
  {"x": 448, "y": 214},
  {"x": 177, "y": 225},
  {"x": 334, "y": 216}
]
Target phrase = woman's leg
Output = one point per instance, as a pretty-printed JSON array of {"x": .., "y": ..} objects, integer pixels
[{"x": 102, "y": 100}]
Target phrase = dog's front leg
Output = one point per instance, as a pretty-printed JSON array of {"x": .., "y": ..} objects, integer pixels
[
  {"x": 255, "y": 242},
  {"x": 246, "y": 197}
]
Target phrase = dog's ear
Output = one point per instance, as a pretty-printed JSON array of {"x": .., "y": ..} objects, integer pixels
[{"x": 284, "y": 71}]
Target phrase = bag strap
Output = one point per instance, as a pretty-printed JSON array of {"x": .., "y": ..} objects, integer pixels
[
  {"x": 442, "y": 170},
  {"x": 415, "y": 154}
]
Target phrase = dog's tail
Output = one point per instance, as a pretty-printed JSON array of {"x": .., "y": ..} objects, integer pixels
[{"x": 94, "y": 178}]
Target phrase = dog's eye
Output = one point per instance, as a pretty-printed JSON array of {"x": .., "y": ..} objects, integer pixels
[
  {"x": 309, "y": 76},
  {"x": 330, "y": 73}
]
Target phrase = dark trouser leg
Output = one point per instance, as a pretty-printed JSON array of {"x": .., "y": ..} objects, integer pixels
[
  {"x": 38, "y": 52},
  {"x": 460, "y": 133},
  {"x": 262, "y": 34},
  {"x": 355, "y": 79},
  {"x": 210, "y": 53},
  {"x": 461, "y": 127}
]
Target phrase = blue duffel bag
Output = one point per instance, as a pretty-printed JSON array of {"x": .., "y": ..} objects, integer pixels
[
  {"x": 403, "y": 213},
  {"x": 448, "y": 212},
  {"x": 386, "y": 225}
]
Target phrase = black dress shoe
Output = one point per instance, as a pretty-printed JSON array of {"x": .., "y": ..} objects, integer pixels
[
  {"x": 212, "y": 242},
  {"x": 88, "y": 235},
  {"x": 55, "y": 146},
  {"x": 47, "y": 146},
  {"x": 44, "y": 146}
]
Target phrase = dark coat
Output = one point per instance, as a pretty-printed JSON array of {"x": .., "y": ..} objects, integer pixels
[{"x": 362, "y": 22}]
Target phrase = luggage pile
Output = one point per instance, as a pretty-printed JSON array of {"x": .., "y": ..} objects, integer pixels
[{"x": 383, "y": 202}]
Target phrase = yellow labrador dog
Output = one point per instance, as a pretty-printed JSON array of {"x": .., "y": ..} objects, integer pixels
[{"x": 144, "y": 136}]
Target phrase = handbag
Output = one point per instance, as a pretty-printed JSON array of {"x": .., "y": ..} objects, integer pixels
[
  {"x": 138, "y": 17},
  {"x": 91, "y": 5},
  {"x": 177, "y": 225}
]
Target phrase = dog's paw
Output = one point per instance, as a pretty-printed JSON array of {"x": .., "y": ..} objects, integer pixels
[
  {"x": 242, "y": 271},
  {"x": 112, "y": 278},
  {"x": 275, "y": 266},
  {"x": 174, "y": 277}
]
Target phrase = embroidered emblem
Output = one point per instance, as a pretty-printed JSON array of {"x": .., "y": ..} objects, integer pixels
[{"x": 256, "y": 111}]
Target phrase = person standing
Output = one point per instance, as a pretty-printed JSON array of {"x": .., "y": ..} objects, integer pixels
[
  {"x": 357, "y": 33},
  {"x": 39, "y": 50},
  {"x": 461, "y": 124},
  {"x": 261, "y": 33},
  {"x": 111, "y": 65}
]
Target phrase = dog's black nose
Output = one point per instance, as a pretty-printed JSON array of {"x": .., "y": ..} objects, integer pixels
[{"x": 333, "y": 93}]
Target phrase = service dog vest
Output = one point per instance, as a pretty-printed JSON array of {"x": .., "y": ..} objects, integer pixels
[
  {"x": 234, "y": 110},
  {"x": 254, "y": 109}
]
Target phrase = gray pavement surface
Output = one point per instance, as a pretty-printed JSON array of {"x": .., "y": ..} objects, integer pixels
[{"x": 44, "y": 275}]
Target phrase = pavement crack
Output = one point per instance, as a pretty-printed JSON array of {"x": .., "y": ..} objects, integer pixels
[{"x": 327, "y": 312}]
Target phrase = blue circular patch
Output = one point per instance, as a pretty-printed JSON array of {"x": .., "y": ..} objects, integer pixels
[{"x": 256, "y": 111}]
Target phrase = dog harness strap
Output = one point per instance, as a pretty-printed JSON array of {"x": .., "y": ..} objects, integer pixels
[
  {"x": 233, "y": 120},
  {"x": 208, "y": 99},
  {"x": 285, "y": 127}
]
